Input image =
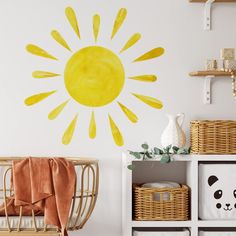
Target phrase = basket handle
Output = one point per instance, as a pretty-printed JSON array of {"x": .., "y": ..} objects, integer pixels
[{"x": 161, "y": 196}]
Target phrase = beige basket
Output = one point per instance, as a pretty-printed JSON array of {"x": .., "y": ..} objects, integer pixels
[
  {"x": 213, "y": 137},
  {"x": 160, "y": 203}
]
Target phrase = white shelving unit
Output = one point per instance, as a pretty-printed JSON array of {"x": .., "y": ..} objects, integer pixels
[{"x": 184, "y": 169}]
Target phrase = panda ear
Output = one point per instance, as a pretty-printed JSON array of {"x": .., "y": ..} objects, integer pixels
[{"x": 212, "y": 179}]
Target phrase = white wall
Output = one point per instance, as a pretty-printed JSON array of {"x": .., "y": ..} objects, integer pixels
[{"x": 173, "y": 24}]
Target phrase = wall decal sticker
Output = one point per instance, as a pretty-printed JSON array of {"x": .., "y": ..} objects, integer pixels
[
  {"x": 92, "y": 127},
  {"x": 94, "y": 76}
]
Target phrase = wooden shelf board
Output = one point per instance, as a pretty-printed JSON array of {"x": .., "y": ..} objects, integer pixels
[
  {"x": 161, "y": 223},
  {"x": 200, "y": 223},
  {"x": 194, "y": 157},
  {"x": 210, "y": 73},
  {"x": 215, "y": 157},
  {"x": 199, "y": 1},
  {"x": 218, "y": 223},
  {"x": 175, "y": 158}
]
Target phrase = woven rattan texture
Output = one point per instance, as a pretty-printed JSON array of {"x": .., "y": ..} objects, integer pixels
[
  {"x": 213, "y": 137},
  {"x": 172, "y": 203}
]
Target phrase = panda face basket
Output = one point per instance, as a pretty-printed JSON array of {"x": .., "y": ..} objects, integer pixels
[{"x": 160, "y": 203}]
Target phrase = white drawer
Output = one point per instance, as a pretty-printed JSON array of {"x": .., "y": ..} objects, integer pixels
[
  {"x": 163, "y": 233},
  {"x": 216, "y": 233}
]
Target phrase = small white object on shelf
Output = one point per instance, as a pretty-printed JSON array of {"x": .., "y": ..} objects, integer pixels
[
  {"x": 173, "y": 133},
  {"x": 211, "y": 64},
  {"x": 161, "y": 184},
  {"x": 227, "y": 54},
  {"x": 221, "y": 65},
  {"x": 230, "y": 65}
]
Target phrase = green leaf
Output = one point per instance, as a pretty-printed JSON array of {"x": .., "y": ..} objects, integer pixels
[
  {"x": 137, "y": 155},
  {"x": 145, "y": 146},
  {"x": 148, "y": 155},
  {"x": 165, "y": 159},
  {"x": 157, "y": 151},
  {"x": 186, "y": 150},
  {"x": 131, "y": 167},
  {"x": 167, "y": 149},
  {"x": 182, "y": 151},
  {"x": 175, "y": 149}
]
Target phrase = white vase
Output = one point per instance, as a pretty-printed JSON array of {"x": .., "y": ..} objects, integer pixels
[{"x": 173, "y": 133}]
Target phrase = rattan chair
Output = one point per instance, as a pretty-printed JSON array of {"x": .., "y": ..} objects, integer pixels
[{"x": 83, "y": 202}]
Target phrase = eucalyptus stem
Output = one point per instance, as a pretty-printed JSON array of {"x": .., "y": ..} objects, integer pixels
[{"x": 165, "y": 153}]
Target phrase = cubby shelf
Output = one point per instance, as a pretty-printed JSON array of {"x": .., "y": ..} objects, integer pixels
[{"x": 183, "y": 169}]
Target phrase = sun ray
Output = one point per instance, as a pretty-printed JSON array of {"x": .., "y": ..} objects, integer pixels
[
  {"x": 133, "y": 39},
  {"x": 118, "y": 21},
  {"x": 36, "y": 50},
  {"x": 130, "y": 115},
  {"x": 43, "y": 74},
  {"x": 71, "y": 16},
  {"x": 156, "y": 52},
  {"x": 144, "y": 78},
  {"x": 117, "y": 136},
  {"x": 96, "y": 26},
  {"x": 37, "y": 98},
  {"x": 92, "y": 127},
  {"x": 153, "y": 102},
  {"x": 56, "y": 111},
  {"x": 57, "y": 36},
  {"x": 67, "y": 136}
]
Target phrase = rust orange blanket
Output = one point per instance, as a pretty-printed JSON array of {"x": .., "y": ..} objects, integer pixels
[{"x": 48, "y": 185}]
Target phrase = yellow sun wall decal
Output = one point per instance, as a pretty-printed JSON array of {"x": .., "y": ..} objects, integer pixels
[{"x": 94, "y": 76}]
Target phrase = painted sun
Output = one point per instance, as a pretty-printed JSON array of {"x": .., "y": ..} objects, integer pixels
[{"x": 94, "y": 76}]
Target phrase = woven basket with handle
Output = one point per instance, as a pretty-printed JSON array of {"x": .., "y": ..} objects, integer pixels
[
  {"x": 213, "y": 137},
  {"x": 160, "y": 203}
]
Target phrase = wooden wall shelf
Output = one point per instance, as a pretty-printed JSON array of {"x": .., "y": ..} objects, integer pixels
[
  {"x": 207, "y": 10},
  {"x": 208, "y": 76},
  {"x": 210, "y": 73},
  {"x": 224, "y": 1}
]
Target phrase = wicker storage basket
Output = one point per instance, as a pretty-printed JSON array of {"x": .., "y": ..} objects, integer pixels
[
  {"x": 213, "y": 137},
  {"x": 147, "y": 207}
]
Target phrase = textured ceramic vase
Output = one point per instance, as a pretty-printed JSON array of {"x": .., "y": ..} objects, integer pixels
[{"x": 173, "y": 133}]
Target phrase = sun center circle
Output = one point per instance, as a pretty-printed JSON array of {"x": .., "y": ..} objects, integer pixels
[{"x": 94, "y": 76}]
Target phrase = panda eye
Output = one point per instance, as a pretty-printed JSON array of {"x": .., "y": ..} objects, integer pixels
[
  {"x": 235, "y": 193},
  {"x": 218, "y": 194}
]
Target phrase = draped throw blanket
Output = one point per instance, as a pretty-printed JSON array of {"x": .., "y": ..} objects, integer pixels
[{"x": 46, "y": 186}]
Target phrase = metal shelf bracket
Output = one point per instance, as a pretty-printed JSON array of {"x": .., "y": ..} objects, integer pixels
[
  {"x": 207, "y": 14},
  {"x": 207, "y": 89}
]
